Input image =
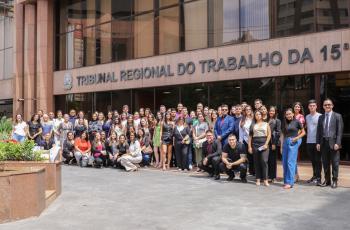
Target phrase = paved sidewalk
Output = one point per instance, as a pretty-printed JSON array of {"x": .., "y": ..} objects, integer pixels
[{"x": 151, "y": 199}]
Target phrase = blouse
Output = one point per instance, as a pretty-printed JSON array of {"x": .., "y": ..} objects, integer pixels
[
  {"x": 135, "y": 149},
  {"x": 244, "y": 131},
  {"x": 259, "y": 130},
  {"x": 81, "y": 144}
]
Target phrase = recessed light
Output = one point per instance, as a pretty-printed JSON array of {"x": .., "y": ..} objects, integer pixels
[{"x": 166, "y": 92}]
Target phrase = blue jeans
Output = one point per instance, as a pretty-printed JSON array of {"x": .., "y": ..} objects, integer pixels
[
  {"x": 189, "y": 155},
  {"x": 289, "y": 159},
  {"x": 146, "y": 159},
  {"x": 19, "y": 138}
]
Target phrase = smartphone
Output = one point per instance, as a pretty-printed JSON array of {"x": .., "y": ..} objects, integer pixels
[{"x": 261, "y": 148}]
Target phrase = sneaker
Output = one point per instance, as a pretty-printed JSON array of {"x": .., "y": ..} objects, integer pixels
[
  {"x": 217, "y": 177},
  {"x": 311, "y": 180},
  {"x": 190, "y": 167}
]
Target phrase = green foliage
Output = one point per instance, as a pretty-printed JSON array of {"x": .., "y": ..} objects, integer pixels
[
  {"x": 19, "y": 152},
  {"x": 5, "y": 128}
]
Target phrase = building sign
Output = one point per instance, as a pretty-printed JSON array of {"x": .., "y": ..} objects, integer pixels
[{"x": 307, "y": 54}]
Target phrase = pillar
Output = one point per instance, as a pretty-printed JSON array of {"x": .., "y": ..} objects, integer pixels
[
  {"x": 44, "y": 57},
  {"x": 29, "y": 60},
  {"x": 18, "y": 60}
]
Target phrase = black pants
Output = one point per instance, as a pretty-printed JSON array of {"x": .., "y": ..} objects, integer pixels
[
  {"x": 272, "y": 162},
  {"x": 316, "y": 161},
  {"x": 212, "y": 166},
  {"x": 67, "y": 156},
  {"x": 250, "y": 159},
  {"x": 242, "y": 168},
  {"x": 181, "y": 152},
  {"x": 330, "y": 157},
  {"x": 101, "y": 160},
  {"x": 260, "y": 158}
]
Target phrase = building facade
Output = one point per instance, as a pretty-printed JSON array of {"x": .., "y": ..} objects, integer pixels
[
  {"x": 100, "y": 54},
  {"x": 6, "y": 57}
]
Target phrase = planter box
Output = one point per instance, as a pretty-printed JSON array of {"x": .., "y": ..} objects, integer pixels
[
  {"x": 52, "y": 172},
  {"x": 22, "y": 192}
]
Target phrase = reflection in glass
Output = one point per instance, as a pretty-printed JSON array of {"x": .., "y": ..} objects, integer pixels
[
  {"x": 227, "y": 92},
  {"x": 169, "y": 32},
  {"x": 196, "y": 25},
  {"x": 193, "y": 94},
  {"x": 263, "y": 88}
]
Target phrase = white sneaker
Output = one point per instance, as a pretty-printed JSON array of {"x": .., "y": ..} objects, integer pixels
[{"x": 190, "y": 167}]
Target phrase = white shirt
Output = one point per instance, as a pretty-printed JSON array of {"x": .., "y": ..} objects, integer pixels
[
  {"x": 135, "y": 149},
  {"x": 311, "y": 127},
  {"x": 19, "y": 128},
  {"x": 244, "y": 131}
]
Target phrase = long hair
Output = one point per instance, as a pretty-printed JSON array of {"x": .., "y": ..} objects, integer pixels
[
  {"x": 301, "y": 107},
  {"x": 244, "y": 118},
  {"x": 276, "y": 114},
  {"x": 286, "y": 121}
]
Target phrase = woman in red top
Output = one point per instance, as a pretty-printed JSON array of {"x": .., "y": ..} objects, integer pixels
[{"x": 83, "y": 150}]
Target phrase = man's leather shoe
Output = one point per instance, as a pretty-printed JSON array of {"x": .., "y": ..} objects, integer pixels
[
  {"x": 217, "y": 177},
  {"x": 211, "y": 174},
  {"x": 334, "y": 184},
  {"x": 319, "y": 183},
  {"x": 311, "y": 180},
  {"x": 230, "y": 178},
  {"x": 244, "y": 180},
  {"x": 325, "y": 184}
]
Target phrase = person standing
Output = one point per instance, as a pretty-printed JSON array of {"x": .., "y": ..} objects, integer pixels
[
  {"x": 244, "y": 129},
  {"x": 20, "y": 129},
  {"x": 274, "y": 146},
  {"x": 237, "y": 117},
  {"x": 199, "y": 137},
  {"x": 182, "y": 141},
  {"x": 233, "y": 159},
  {"x": 292, "y": 133},
  {"x": 315, "y": 156},
  {"x": 166, "y": 134},
  {"x": 224, "y": 126},
  {"x": 64, "y": 128},
  {"x": 328, "y": 140},
  {"x": 56, "y": 124},
  {"x": 299, "y": 115},
  {"x": 258, "y": 145},
  {"x": 35, "y": 129}
]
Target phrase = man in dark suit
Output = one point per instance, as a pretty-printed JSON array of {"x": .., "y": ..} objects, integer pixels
[
  {"x": 328, "y": 141},
  {"x": 211, "y": 151}
]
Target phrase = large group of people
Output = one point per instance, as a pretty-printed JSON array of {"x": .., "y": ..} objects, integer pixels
[{"x": 240, "y": 140}]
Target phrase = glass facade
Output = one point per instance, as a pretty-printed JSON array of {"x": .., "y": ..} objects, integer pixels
[
  {"x": 6, "y": 39},
  {"x": 90, "y": 32}
]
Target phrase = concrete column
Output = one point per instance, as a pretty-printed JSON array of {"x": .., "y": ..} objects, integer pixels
[
  {"x": 29, "y": 60},
  {"x": 44, "y": 57},
  {"x": 18, "y": 60}
]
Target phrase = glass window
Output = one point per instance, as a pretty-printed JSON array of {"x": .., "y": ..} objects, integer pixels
[
  {"x": 80, "y": 101},
  {"x": 143, "y": 29},
  {"x": 122, "y": 39},
  {"x": 223, "y": 22},
  {"x": 143, "y": 98},
  {"x": 168, "y": 96},
  {"x": 6, "y": 108},
  {"x": 169, "y": 30},
  {"x": 121, "y": 8},
  {"x": 193, "y": 94},
  {"x": 263, "y": 88},
  {"x": 227, "y": 92},
  {"x": 196, "y": 25},
  {"x": 120, "y": 98},
  {"x": 254, "y": 20},
  {"x": 103, "y": 102}
]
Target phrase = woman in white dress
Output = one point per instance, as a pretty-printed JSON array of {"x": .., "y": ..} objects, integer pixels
[{"x": 134, "y": 156}]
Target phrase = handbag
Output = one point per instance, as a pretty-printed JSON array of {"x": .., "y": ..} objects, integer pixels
[
  {"x": 148, "y": 150},
  {"x": 186, "y": 139}
]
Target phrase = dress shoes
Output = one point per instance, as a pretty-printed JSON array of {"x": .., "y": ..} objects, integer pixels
[
  {"x": 334, "y": 184},
  {"x": 217, "y": 177},
  {"x": 325, "y": 184},
  {"x": 311, "y": 180},
  {"x": 244, "y": 180},
  {"x": 230, "y": 178}
]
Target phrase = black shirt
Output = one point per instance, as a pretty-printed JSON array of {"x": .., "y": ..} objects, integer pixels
[
  {"x": 292, "y": 128},
  {"x": 233, "y": 154},
  {"x": 47, "y": 145}
]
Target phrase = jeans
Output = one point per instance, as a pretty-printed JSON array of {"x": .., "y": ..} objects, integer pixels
[
  {"x": 146, "y": 159},
  {"x": 19, "y": 138},
  {"x": 289, "y": 159}
]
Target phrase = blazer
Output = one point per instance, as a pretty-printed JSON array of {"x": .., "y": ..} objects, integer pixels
[
  {"x": 275, "y": 127},
  {"x": 224, "y": 128},
  {"x": 179, "y": 136},
  {"x": 336, "y": 127},
  {"x": 216, "y": 149}
]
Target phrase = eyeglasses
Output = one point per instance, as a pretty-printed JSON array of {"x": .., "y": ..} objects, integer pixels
[{"x": 327, "y": 105}]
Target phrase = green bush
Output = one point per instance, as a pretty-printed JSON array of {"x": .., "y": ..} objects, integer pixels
[
  {"x": 19, "y": 151},
  {"x": 5, "y": 128}
]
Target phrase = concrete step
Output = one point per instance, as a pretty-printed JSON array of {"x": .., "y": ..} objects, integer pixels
[{"x": 50, "y": 196}]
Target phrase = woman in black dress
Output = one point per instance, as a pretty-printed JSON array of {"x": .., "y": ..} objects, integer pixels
[
  {"x": 68, "y": 148},
  {"x": 166, "y": 133},
  {"x": 35, "y": 129}
]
